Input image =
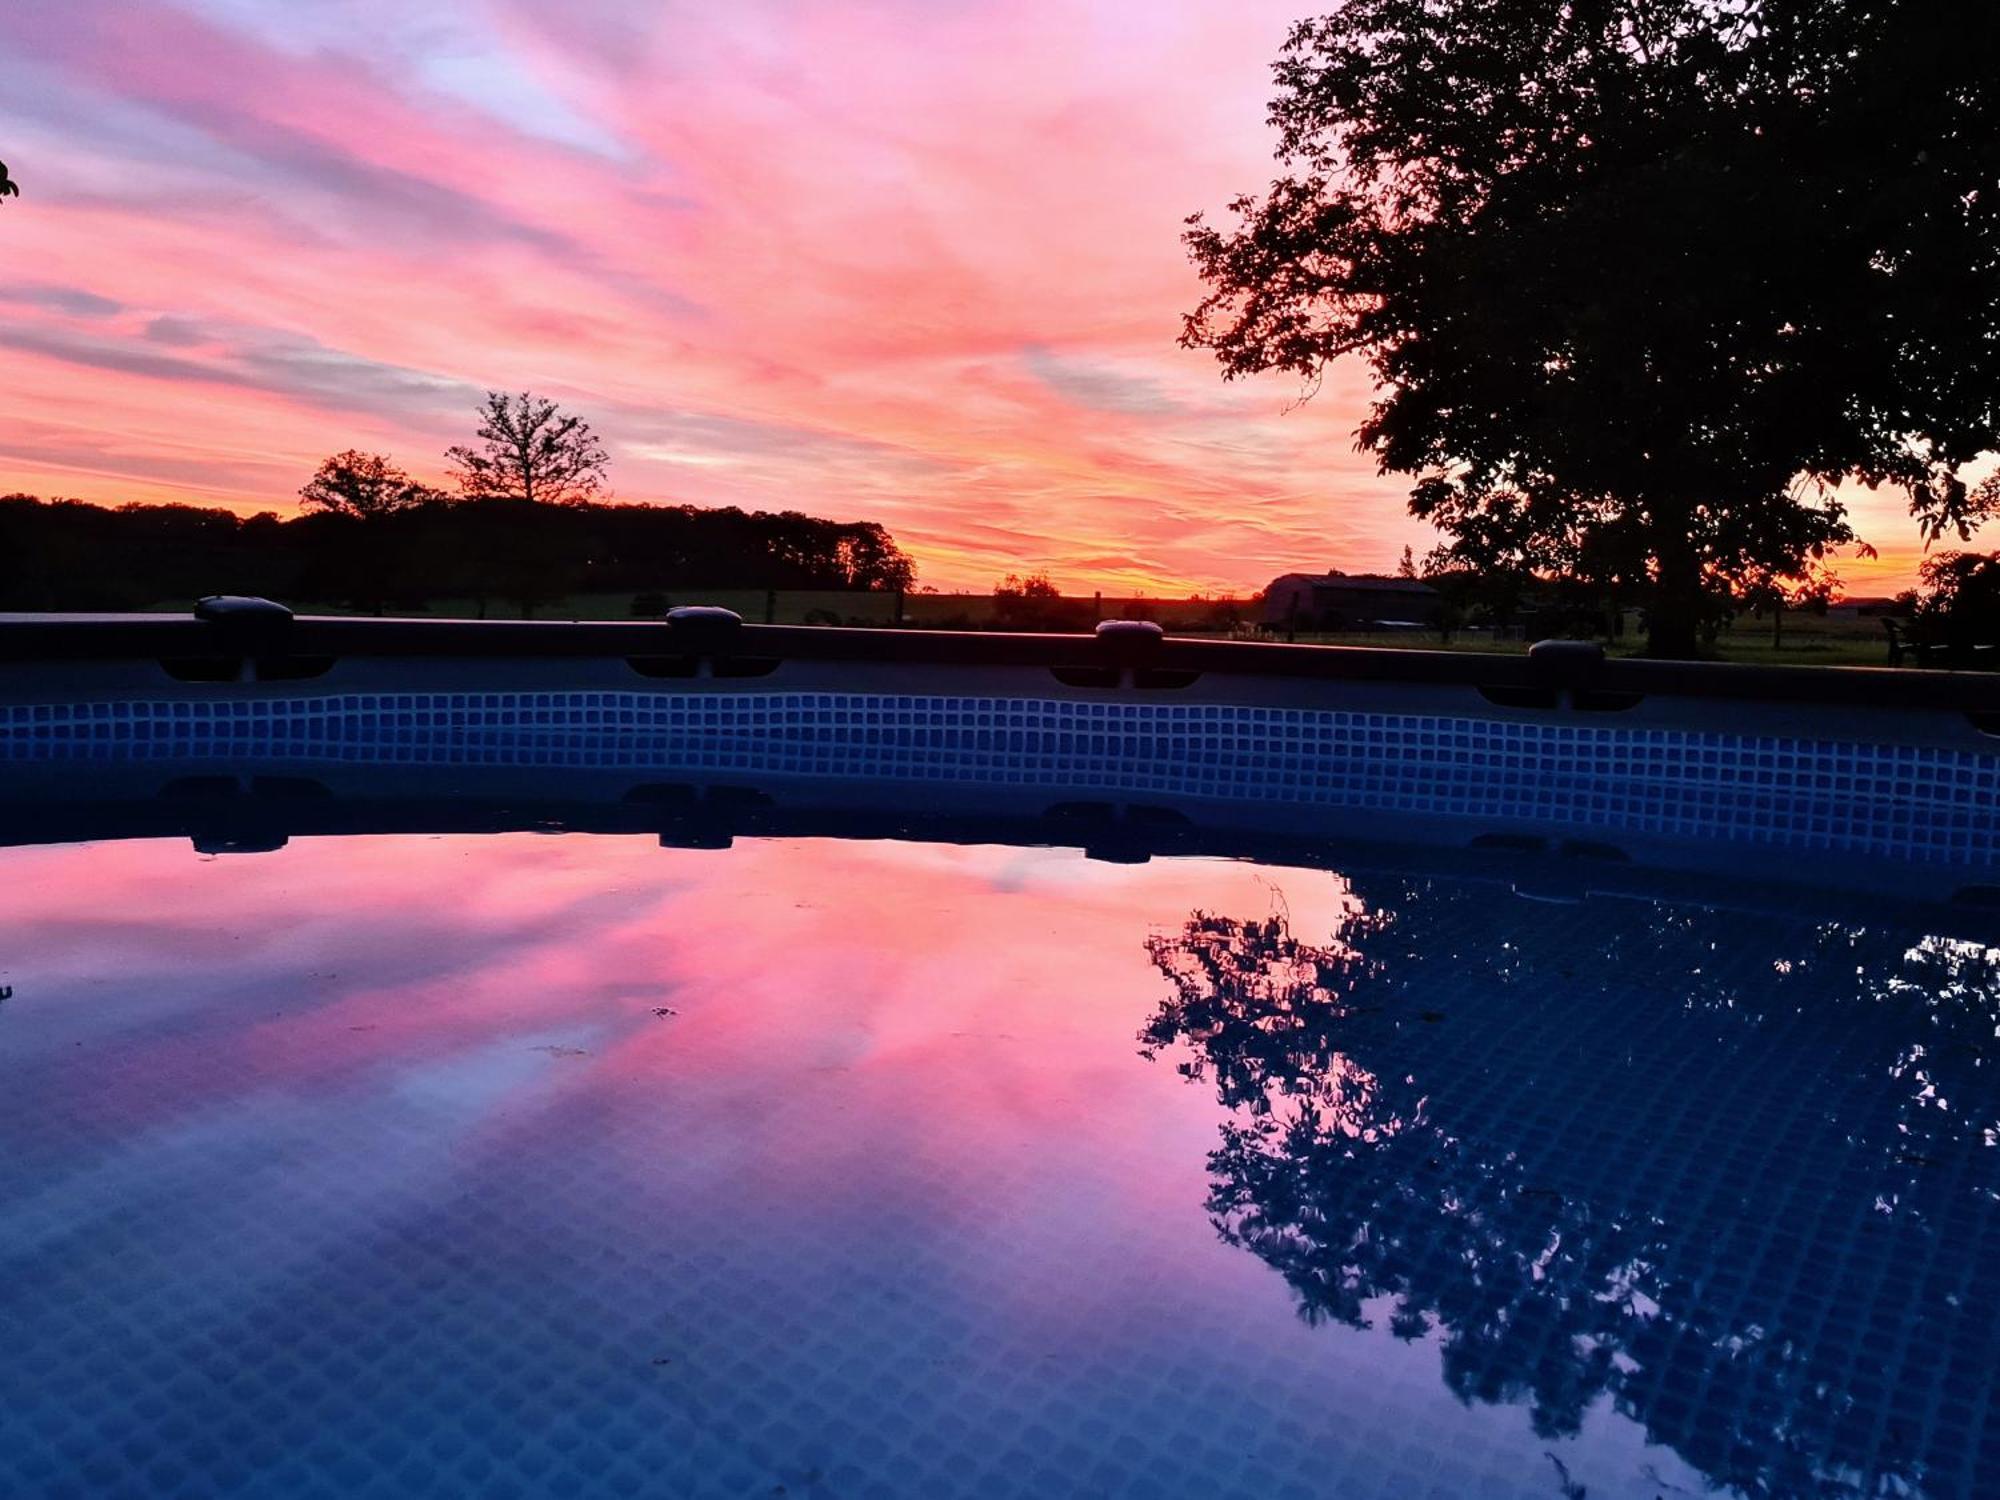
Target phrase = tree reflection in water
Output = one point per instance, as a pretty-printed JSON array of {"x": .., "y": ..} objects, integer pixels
[{"x": 1734, "y": 1173}]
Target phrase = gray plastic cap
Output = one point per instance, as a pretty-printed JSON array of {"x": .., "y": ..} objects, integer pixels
[
  {"x": 1129, "y": 632},
  {"x": 240, "y": 607},
  {"x": 703, "y": 617},
  {"x": 1567, "y": 653}
]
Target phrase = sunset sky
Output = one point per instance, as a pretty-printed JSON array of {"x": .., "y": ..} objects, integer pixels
[{"x": 914, "y": 261}]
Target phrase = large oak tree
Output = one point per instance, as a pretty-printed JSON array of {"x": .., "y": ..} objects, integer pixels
[{"x": 1640, "y": 280}]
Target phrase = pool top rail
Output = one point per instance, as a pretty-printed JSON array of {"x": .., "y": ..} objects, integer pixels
[{"x": 1107, "y": 659}]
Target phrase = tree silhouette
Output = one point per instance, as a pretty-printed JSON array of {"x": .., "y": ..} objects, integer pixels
[
  {"x": 1639, "y": 280},
  {"x": 868, "y": 557},
  {"x": 1959, "y": 608},
  {"x": 1811, "y": 592},
  {"x": 364, "y": 486},
  {"x": 67, "y": 554},
  {"x": 530, "y": 449},
  {"x": 1685, "y": 1160},
  {"x": 1034, "y": 586},
  {"x": 1035, "y": 603},
  {"x": 8, "y": 187}
]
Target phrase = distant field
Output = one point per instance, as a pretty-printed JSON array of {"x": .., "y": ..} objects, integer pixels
[
  {"x": 1807, "y": 640},
  {"x": 805, "y": 606}
]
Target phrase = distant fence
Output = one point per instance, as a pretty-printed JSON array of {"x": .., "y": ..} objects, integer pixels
[
  {"x": 923, "y": 611},
  {"x": 948, "y": 611}
]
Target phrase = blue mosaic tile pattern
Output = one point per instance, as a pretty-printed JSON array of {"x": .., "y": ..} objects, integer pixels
[
  {"x": 1900, "y": 801},
  {"x": 315, "y": 1186},
  {"x": 1679, "y": 1159}
]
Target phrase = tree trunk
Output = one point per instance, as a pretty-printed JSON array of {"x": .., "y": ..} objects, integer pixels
[{"x": 1673, "y": 624}]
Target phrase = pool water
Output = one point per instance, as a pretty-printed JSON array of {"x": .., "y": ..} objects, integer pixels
[{"x": 522, "y": 1165}]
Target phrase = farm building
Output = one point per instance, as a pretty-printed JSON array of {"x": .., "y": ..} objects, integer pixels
[{"x": 1347, "y": 601}]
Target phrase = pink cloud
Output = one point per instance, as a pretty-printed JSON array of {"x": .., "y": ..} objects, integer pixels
[{"x": 916, "y": 263}]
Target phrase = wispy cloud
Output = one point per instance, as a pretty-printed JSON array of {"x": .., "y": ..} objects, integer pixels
[
  {"x": 294, "y": 366},
  {"x": 93, "y": 353},
  {"x": 908, "y": 261},
  {"x": 73, "y": 300},
  {"x": 1098, "y": 386}
]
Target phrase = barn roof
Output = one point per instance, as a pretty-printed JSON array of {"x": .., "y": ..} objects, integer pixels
[{"x": 1371, "y": 583}]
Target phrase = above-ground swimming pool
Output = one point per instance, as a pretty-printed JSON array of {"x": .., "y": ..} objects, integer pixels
[{"x": 930, "y": 1066}]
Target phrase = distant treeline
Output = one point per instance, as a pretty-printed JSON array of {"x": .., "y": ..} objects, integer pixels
[{"x": 69, "y": 555}]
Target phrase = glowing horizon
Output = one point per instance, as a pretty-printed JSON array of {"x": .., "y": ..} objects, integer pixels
[{"x": 914, "y": 264}]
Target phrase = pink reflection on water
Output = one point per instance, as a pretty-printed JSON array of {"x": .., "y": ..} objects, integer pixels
[
  {"x": 942, "y": 1001},
  {"x": 872, "y": 1095}
]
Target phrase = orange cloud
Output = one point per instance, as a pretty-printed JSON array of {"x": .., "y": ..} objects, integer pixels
[{"x": 912, "y": 263}]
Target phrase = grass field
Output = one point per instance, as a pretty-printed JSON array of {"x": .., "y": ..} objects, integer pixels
[{"x": 1807, "y": 640}]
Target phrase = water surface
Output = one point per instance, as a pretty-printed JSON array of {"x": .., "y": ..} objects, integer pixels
[{"x": 519, "y": 1165}]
